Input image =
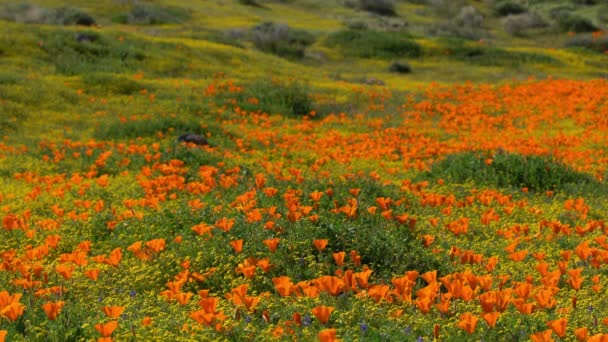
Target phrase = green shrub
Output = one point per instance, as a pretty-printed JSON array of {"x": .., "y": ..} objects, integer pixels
[
  {"x": 72, "y": 55},
  {"x": 151, "y": 14},
  {"x": 110, "y": 83},
  {"x": 573, "y": 23},
  {"x": 587, "y": 41},
  {"x": 370, "y": 44},
  {"x": 274, "y": 97},
  {"x": 491, "y": 56},
  {"x": 519, "y": 24},
  {"x": 509, "y": 170},
  {"x": 400, "y": 67},
  {"x": 381, "y": 7},
  {"x": 280, "y": 39},
  {"x": 11, "y": 114},
  {"x": 249, "y": 3},
  {"x": 146, "y": 127},
  {"x": 505, "y": 8},
  {"x": 30, "y": 13}
]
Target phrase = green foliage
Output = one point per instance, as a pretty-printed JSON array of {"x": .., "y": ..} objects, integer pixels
[
  {"x": 370, "y": 44},
  {"x": 537, "y": 173},
  {"x": 280, "y": 39},
  {"x": 152, "y": 14},
  {"x": 484, "y": 55},
  {"x": 400, "y": 67},
  {"x": 380, "y": 7},
  {"x": 249, "y": 3},
  {"x": 520, "y": 24},
  {"x": 505, "y": 8},
  {"x": 109, "y": 83},
  {"x": 276, "y": 97},
  {"x": 566, "y": 21},
  {"x": 100, "y": 53},
  {"x": 10, "y": 114},
  {"x": 587, "y": 41},
  {"x": 146, "y": 127},
  {"x": 29, "y": 13}
]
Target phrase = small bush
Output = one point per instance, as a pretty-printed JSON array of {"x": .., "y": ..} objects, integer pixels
[
  {"x": 469, "y": 16},
  {"x": 503, "y": 9},
  {"x": 587, "y": 41},
  {"x": 369, "y": 44},
  {"x": 573, "y": 23},
  {"x": 380, "y": 7},
  {"x": 518, "y": 24},
  {"x": 491, "y": 56},
  {"x": 400, "y": 67},
  {"x": 280, "y": 39},
  {"x": 568, "y": 22},
  {"x": 72, "y": 56},
  {"x": 274, "y": 97},
  {"x": 30, "y": 13},
  {"x": 111, "y": 83},
  {"x": 146, "y": 127},
  {"x": 249, "y": 3},
  {"x": 149, "y": 14},
  {"x": 537, "y": 173}
]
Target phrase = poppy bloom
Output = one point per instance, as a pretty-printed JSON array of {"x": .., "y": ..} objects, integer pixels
[
  {"x": 327, "y": 335},
  {"x": 272, "y": 244},
  {"x": 113, "y": 311},
  {"x": 106, "y": 329},
  {"x": 558, "y": 326},
  {"x": 320, "y": 244},
  {"x": 543, "y": 336},
  {"x": 146, "y": 321},
  {"x": 322, "y": 313},
  {"x": 237, "y": 245},
  {"x": 52, "y": 309},
  {"x": 468, "y": 322}
]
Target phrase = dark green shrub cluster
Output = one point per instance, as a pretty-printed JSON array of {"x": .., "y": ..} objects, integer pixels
[
  {"x": 370, "y": 44},
  {"x": 72, "y": 54},
  {"x": 249, "y": 3},
  {"x": 519, "y": 24},
  {"x": 275, "y": 97},
  {"x": 151, "y": 14},
  {"x": 509, "y": 170},
  {"x": 110, "y": 83},
  {"x": 587, "y": 41},
  {"x": 400, "y": 67},
  {"x": 29, "y": 13},
  {"x": 280, "y": 39},
  {"x": 505, "y": 8},
  {"x": 491, "y": 56},
  {"x": 146, "y": 127},
  {"x": 380, "y": 7},
  {"x": 566, "y": 21}
]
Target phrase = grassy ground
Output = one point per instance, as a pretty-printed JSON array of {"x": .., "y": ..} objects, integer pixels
[{"x": 461, "y": 199}]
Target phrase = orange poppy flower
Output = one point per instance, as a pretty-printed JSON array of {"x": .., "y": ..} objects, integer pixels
[
  {"x": 468, "y": 322},
  {"x": 320, "y": 244},
  {"x": 283, "y": 285},
  {"x": 322, "y": 313},
  {"x": 327, "y": 335},
  {"x": 491, "y": 318},
  {"x": 272, "y": 244},
  {"x": 52, "y": 309},
  {"x": 558, "y": 326},
  {"x": 581, "y": 333},
  {"x": 106, "y": 329},
  {"x": 237, "y": 245},
  {"x": 147, "y": 321},
  {"x": 3, "y": 334},
  {"x": 339, "y": 257},
  {"x": 113, "y": 311},
  {"x": 543, "y": 336}
]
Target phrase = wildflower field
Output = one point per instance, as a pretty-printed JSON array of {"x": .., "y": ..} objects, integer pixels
[{"x": 334, "y": 200}]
